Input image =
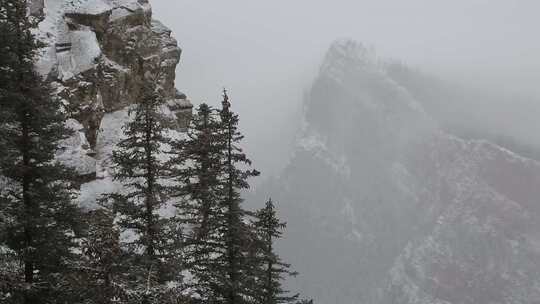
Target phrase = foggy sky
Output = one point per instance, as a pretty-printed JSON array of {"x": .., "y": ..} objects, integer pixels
[{"x": 267, "y": 52}]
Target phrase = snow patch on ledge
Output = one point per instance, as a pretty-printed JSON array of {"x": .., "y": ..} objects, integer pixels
[
  {"x": 315, "y": 144},
  {"x": 89, "y": 7},
  {"x": 75, "y": 151},
  {"x": 83, "y": 54},
  {"x": 109, "y": 136}
]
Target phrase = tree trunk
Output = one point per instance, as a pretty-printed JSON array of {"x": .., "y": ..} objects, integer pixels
[
  {"x": 231, "y": 218},
  {"x": 28, "y": 208},
  {"x": 149, "y": 195}
]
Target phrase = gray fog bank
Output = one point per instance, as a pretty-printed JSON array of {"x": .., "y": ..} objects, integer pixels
[{"x": 267, "y": 53}]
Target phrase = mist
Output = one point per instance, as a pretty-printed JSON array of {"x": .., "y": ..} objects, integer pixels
[
  {"x": 348, "y": 183},
  {"x": 267, "y": 53}
]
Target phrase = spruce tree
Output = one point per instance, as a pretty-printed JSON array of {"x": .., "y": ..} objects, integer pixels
[
  {"x": 233, "y": 179},
  {"x": 139, "y": 166},
  {"x": 268, "y": 269},
  {"x": 195, "y": 166},
  {"x": 210, "y": 172},
  {"x": 103, "y": 278},
  {"x": 41, "y": 222}
]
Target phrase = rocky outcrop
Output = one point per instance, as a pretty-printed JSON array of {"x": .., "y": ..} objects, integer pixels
[
  {"x": 36, "y": 8},
  {"x": 101, "y": 51},
  {"x": 98, "y": 54}
]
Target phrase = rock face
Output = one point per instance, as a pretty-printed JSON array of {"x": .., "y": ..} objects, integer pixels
[
  {"x": 100, "y": 52},
  {"x": 98, "y": 55},
  {"x": 36, "y": 8},
  {"x": 385, "y": 207}
]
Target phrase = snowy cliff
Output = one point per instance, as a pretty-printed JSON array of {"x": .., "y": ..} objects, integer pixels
[
  {"x": 385, "y": 207},
  {"x": 97, "y": 55}
]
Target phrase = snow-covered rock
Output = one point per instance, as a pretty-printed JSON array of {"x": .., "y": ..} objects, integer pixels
[
  {"x": 76, "y": 153},
  {"x": 98, "y": 54}
]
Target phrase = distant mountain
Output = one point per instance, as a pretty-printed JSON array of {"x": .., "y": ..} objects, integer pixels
[
  {"x": 505, "y": 118},
  {"x": 385, "y": 206}
]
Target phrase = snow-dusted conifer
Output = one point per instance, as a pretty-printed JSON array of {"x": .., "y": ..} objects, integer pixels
[
  {"x": 151, "y": 238},
  {"x": 103, "y": 276},
  {"x": 233, "y": 263},
  {"x": 269, "y": 270},
  {"x": 40, "y": 220},
  {"x": 195, "y": 165}
]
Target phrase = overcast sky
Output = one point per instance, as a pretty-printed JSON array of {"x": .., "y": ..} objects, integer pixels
[{"x": 266, "y": 52}]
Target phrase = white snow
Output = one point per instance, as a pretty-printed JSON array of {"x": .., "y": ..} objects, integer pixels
[
  {"x": 48, "y": 31},
  {"x": 83, "y": 54},
  {"x": 53, "y": 29},
  {"x": 312, "y": 142},
  {"x": 75, "y": 151},
  {"x": 110, "y": 134},
  {"x": 89, "y": 7},
  {"x": 123, "y": 8},
  {"x": 92, "y": 191},
  {"x": 316, "y": 144}
]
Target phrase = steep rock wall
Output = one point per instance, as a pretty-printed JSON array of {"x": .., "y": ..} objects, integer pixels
[{"x": 98, "y": 54}]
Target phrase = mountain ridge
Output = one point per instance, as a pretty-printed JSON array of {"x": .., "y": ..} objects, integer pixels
[{"x": 377, "y": 189}]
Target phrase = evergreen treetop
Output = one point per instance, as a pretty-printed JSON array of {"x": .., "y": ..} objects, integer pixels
[
  {"x": 153, "y": 246},
  {"x": 233, "y": 179},
  {"x": 269, "y": 270},
  {"x": 195, "y": 167}
]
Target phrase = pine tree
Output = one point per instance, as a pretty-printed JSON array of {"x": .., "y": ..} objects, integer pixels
[
  {"x": 268, "y": 269},
  {"x": 210, "y": 171},
  {"x": 195, "y": 166},
  {"x": 233, "y": 179},
  {"x": 139, "y": 165},
  {"x": 10, "y": 276},
  {"x": 103, "y": 276},
  {"x": 40, "y": 218}
]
